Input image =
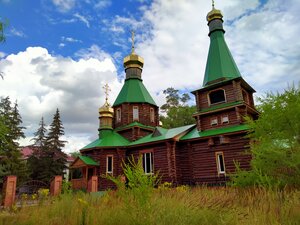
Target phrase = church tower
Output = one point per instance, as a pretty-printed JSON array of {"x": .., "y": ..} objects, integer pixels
[
  {"x": 225, "y": 97},
  {"x": 136, "y": 113}
]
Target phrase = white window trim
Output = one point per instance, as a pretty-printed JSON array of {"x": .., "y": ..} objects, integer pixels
[
  {"x": 226, "y": 121},
  {"x": 137, "y": 110},
  {"x": 214, "y": 119},
  {"x": 219, "y": 163},
  {"x": 208, "y": 97},
  {"x": 145, "y": 163},
  {"x": 112, "y": 164}
]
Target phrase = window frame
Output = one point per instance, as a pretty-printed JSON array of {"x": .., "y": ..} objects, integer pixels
[
  {"x": 222, "y": 120},
  {"x": 135, "y": 107},
  {"x": 208, "y": 96},
  {"x": 112, "y": 164},
  {"x": 119, "y": 114},
  {"x": 214, "y": 124},
  {"x": 143, "y": 153},
  {"x": 218, "y": 154},
  {"x": 152, "y": 116}
]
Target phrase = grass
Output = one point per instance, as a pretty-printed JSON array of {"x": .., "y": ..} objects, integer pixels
[{"x": 165, "y": 205}]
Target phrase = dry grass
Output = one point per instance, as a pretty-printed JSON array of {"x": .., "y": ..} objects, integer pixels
[{"x": 166, "y": 206}]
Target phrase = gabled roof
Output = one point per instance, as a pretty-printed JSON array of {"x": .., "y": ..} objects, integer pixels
[
  {"x": 165, "y": 134},
  {"x": 134, "y": 124},
  {"x": 223, "y": 130},
  {"x": 134, "y": 91},
  {"x": 82, "y": 161},
  {"x": 108, "y": 138}
]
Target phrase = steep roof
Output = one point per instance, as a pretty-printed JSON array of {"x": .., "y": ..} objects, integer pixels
[
  {"x": 223, "y": 130},
  {"x": 108, "y": 138},
  {"x": 161, "y": 134},
  {"x": 134, "y": 91},
  {"x": 220, "y": 64}
]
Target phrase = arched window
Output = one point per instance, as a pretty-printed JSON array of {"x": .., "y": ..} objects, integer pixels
[
  {"x": 217, "y": 96},
  {"x": 135, "y": 113}
]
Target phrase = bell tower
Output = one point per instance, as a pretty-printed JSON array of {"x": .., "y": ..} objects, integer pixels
[{"x": 225, "y": 97}]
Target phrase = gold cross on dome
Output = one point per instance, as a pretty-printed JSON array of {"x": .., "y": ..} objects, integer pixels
[
  {"x": 106, "y": 90},
  {"x": 132, "y": 40}
]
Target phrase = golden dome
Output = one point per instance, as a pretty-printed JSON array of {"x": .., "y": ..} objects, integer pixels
[
  {"x": 133, "y": 60},
  {"x": 106, "y": 108},
  {"x": 214, "y": 14}
]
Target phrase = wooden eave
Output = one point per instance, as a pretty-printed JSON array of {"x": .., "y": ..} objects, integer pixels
[{"x": 217, "y": 110}]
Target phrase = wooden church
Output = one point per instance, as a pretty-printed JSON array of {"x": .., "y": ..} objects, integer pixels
[{"x": 200, "y": 153}]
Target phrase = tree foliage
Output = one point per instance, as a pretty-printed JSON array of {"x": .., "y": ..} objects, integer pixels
[
  {"x": 275, "y": 144},
  {"x": 176, "y": 111},
  {"x": 11, "y": 132},
  {"x": 48, "y": 160}
]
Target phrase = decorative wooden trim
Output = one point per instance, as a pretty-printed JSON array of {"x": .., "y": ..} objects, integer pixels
[{"x": 208, "y": 98}]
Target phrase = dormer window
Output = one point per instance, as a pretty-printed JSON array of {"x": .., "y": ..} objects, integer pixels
[
  {"x": 217, "y": 96},
  {"x": 135, "y": 113},
  {"x": 119, "y": 115}
]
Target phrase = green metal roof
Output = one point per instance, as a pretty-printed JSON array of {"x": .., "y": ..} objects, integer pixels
[
  {"x": 196, "y": 134},
  {"x": 88, "y": 161},
  {"x": 134, "y": 124},
  {"x": 134, "y": 91},
  {"x": 220, "y": 64},
  {"x": 220, "y": 106},
  {"x": 165, "y": 134},
  {"x": 108, "y": 138}
]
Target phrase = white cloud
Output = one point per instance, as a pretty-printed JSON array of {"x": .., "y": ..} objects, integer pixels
[
  {"x": 70, "y": 39},
  {"x": 42, "y": 82},
  {"x": 18, "y": 33},
  {"x": 262, "y": 39},
  {"x": 82, "y": 19},
  {"x": 2, "y": 54},
  {"x": 64, "y": 5},
  {"x": 101, "y": 4}
]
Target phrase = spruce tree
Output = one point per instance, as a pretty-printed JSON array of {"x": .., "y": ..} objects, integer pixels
[
  {"x": 54, "y": 146},
  {"x": 11, "y": 133}
]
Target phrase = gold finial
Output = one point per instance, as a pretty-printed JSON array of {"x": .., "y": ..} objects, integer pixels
[
  {"x": 213, "y": 4},
  {"x": 132, "y": 40},
  {"x": 106, "y": 90}
]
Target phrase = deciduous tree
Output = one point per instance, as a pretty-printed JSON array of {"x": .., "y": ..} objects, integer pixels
[
  {"x": 275, "y": 144},
  {"x": 176, "y": 111}
]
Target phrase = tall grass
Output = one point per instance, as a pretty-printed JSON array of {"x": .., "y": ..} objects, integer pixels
[{"x": 173, "y": 206}]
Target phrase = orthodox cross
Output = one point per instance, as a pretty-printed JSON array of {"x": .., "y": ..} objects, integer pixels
[
  {"x": 106, "y": 90},
  {"x": 132, "y": 40}
]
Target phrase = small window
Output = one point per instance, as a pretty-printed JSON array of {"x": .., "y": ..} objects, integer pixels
[
  {"x": 148, "y": 162},
  {"x": 217, "y": 96},
  {"x": 220, "y": 163},
  {"x": 135, "y": 113},
  {"x": 152, "y": 115},
  {"x": 214, "y": 122},
  {"x": 109, "y": 164},
  {"x": 225, "y": 119},
  {"x": 119, "y": 115}
]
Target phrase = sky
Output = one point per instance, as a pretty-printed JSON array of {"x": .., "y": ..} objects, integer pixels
[{"x": 60, "y": 53}]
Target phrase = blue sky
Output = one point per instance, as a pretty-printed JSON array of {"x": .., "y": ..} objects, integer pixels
[{"x": 60, "y": 53}]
